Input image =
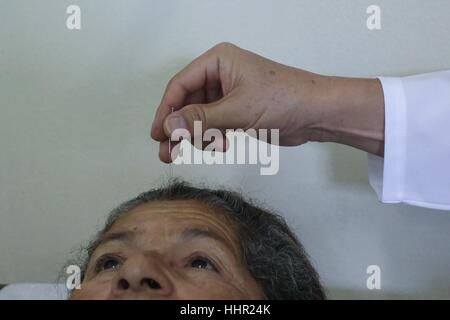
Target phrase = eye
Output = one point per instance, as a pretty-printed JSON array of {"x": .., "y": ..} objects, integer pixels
[
  {"x": 107, "y": 263},
  {"x": 202, "y": 263}
]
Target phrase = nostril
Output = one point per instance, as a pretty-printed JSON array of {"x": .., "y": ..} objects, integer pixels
[
  {"x": 152, "y": 284},
  {"x": 123, "y": 284}
]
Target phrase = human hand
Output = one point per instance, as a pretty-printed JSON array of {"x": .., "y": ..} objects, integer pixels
[{"x": 231, "y": 88}]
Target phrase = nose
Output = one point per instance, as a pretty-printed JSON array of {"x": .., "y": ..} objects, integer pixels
[{"x": 142, "y": 276}]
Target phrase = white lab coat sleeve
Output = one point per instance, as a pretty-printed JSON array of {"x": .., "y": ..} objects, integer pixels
[{"x": 416, "y": 164}]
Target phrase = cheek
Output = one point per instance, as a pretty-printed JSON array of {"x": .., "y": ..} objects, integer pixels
[{"x": 92, "y": 290}]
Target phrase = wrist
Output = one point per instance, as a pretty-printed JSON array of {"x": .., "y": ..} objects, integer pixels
[{"x": 352, "y": 114}]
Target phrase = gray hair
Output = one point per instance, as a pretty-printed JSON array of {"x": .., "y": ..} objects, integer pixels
[{"x": 273, "y": 254}]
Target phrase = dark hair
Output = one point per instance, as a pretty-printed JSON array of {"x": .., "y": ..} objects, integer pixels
[{"x": 273, "y": 254}]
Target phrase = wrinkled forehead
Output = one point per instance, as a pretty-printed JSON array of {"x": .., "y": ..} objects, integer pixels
[
  {"x": 177, "y": 212},
  {"x": 169, "y": 219}
]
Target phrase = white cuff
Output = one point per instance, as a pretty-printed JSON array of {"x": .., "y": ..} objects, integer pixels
[{"x": 416, "y": 165}]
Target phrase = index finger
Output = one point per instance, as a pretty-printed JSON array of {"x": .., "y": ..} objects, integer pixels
[{"x": 192, "y": 78}]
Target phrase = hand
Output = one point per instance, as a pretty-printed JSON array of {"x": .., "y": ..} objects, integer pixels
[{"x": 231, "y": 88}]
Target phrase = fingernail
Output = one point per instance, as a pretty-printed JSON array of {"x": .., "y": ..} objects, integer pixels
[{"x": 175, "y": 122}]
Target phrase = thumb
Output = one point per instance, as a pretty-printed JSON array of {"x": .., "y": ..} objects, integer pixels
[{"x": 219, "y": 115}]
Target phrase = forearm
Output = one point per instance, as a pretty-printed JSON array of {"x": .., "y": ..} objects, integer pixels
[{"x": 353, "y": 115}]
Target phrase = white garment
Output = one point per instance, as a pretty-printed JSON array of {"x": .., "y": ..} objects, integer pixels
[
  {"x": 416, "y": 165},
  {"x": 34, "y": 291}
]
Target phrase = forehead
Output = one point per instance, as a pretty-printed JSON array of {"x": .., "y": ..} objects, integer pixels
[{"x": 173, "y": 216}]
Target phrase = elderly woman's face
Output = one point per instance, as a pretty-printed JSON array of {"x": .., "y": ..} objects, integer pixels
[{"x": 169, "y": 250}]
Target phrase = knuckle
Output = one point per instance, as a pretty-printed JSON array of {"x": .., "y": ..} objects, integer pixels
[
  {"x": 174, "y": 80},
  {"x": 170, "y": 83},
  {"x": 197, "y": 113},
  {"x": 225, "y": 46}
]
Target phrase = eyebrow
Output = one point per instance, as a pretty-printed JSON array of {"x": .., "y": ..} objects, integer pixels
[
  {"x": 189, "y": 234},
  {"x": 192, "y": 234}
]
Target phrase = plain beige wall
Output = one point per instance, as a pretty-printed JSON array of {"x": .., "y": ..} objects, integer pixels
[{"x": 76, "y": 108}]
